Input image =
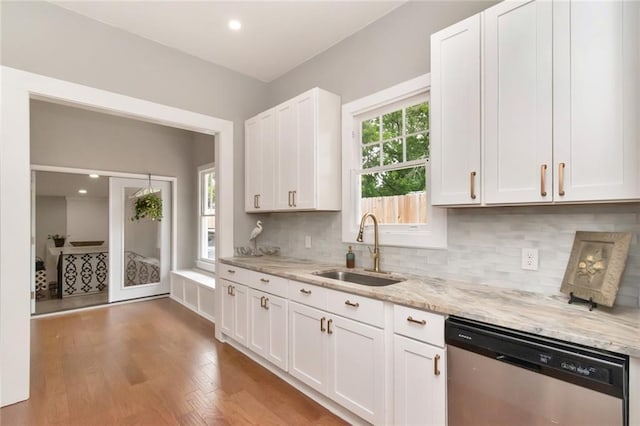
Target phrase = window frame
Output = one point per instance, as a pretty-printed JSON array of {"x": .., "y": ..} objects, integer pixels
[
  {"x": 433, "y": 234},
  {"x": 201, "y": 262}
]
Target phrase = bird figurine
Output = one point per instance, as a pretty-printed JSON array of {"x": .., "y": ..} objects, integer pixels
[{"x": 254, "y": 237}]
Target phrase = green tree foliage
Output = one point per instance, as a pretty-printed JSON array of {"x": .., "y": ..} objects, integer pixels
[{"x": 386, "y": 142}]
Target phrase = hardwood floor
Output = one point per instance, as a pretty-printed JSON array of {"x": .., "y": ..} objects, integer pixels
[{"x": 149, "y": 363}]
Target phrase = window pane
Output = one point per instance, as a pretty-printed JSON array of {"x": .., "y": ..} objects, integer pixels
[
  {"x": 209, "y": 196},
  {"x": 418, "y": 146},
  {"x": 370, "y": 156},
  {"x": 209, "y": 227},
  {"x": 392, "y": 152},
  {"x": 396, "y": 196},
  {"x": 392, "y": 125},
  {"x": 418, "y": 118},
  {"x": 371, "y": 130}
]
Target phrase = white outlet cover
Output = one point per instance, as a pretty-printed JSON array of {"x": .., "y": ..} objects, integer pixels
[{"x": 529, "y": 259}]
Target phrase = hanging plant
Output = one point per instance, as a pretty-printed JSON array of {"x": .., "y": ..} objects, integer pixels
[{"x": 148, "y": 206}]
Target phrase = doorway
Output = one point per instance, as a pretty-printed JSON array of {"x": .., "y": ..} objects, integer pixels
[{"x": 87, "y": 247}]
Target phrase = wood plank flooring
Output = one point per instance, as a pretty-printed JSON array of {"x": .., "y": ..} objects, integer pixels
[{"x": 149, "y": 363}]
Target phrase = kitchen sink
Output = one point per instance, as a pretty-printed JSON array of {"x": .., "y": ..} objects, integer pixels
[{"x": 357, "y": 278}]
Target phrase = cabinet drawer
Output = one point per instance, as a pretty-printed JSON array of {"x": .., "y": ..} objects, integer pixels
[
  {"x": 265, "y": 282},
  {"x": 232, "y": 273},
  {"x": 420, "y": 325},
  {"x": 359, "y": 308},
  {"x": 308, "y": 294}
]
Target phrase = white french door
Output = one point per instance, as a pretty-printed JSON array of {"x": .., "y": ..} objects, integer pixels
[{"x": 139, "y": 250}]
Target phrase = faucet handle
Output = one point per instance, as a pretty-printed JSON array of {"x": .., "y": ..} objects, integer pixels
[{"x": 372, "y": 252}]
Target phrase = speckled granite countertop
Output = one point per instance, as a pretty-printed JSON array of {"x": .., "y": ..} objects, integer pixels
[{"x": 615, "y": 329}]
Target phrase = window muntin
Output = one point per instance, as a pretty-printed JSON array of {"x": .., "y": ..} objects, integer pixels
[{"x": 394, "y": 150}]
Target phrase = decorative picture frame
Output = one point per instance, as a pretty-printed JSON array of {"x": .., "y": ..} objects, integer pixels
[{"x": 596, "y": 265}]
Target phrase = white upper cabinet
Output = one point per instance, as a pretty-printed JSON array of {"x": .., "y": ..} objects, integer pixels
[
  {"x": 559, "y": 104},
  {"x": 455, "y": 114},
  {"x": 596, "y": 78},
  {"x": 260, "y": 166},
  {"x": 518, "y": 102},
  {"x": 305, "y": 156}
]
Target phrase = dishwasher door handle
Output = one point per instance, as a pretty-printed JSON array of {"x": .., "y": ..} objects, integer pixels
[{"x": 518, "y": 362}]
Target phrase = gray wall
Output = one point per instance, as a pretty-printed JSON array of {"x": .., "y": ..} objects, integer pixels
[
  {"x": 484, "y": 244},
  {"x": 389, "y": 51},
  {"x": 42, "y": 38},
  {"x": 51, "y": 218},
  {"x": 72, "y": 137}
]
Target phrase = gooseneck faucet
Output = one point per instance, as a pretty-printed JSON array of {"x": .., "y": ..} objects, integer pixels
[{"x": 375, "y": 254}]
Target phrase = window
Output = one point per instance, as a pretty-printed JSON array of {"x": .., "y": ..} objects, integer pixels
[
  {"x": 386, "y": 167},
  {"x": 207, "y": 217}
]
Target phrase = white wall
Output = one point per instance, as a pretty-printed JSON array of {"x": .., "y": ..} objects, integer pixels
[
  {"x": 87, "y": 219},
  {"x": 51, "y": 218}
]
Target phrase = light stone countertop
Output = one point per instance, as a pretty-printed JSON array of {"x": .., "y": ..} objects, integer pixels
[{"x": 614, "y": 329}]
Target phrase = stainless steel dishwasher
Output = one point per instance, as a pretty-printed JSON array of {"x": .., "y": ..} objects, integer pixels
[{"x": 498, "y": 376}]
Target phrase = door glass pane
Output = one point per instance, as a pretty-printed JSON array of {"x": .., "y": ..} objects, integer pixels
[{"x": 142, "y": 241}]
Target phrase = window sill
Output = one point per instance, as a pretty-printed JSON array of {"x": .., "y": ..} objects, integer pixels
[{"x": 206, "y": 266}]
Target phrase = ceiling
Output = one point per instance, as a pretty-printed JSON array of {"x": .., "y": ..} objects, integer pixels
[
  {"x": 67, "y": 185},
  {"x": 276, "y": 36}
]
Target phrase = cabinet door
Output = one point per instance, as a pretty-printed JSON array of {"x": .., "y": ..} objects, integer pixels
[
  {"x": 241, "y": 314},
  {"x": 228, "y": 309},
  {"x": 420, "y": 393},
  {"x": 596, "y": 48},
  {"x": 455, "y": 114},
  {"x": 518, "y": 102},
  {"x": 260, "y": 165},
  {"x": 287, "y": 153},
  {"x": 277, "y": 346},
  {"x": 258, "y": 323},
  {"x": 356, "y": 367},
  {"x": 306, "y": 121},
  {"x": 253, "y": 165},
  {"x": 308, "y": 345}
]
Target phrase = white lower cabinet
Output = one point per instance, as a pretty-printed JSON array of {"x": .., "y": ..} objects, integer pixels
[
  {"x": 268, "y": 327},
  {"x": 234, "y": 318},
  {"x": 420, "y": 377},
  {"x": 340, "y": 358}
]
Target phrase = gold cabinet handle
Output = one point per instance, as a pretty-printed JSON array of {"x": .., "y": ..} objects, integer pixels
[
  {"x": 289, "y": 199},
  {"x": 262, "y": 302},
  {"x": 543, "y": 180},
  {"x": 294, "y": 198},
  {"x": 255, "y": 201},
  {"x": 233, "y": 290},
  {"x": 415, "y": 321},
  {"x": 322, "y": 320},
  {"x": 329, "y": 326},
  {"x": 266, "y": 303},
  {"x": 472, "y": 185},
  {"x": 231, "y": 271},
  {"x": 350, "y": 303},
  {"x": 258, "y": 200},
  {"x": 229, "y": 290},
  {"x": 436, "y": 370},
  {"x": 305, "y": 291},
  {"x": 264, "y": 280},
  {"x": 561, "y": 167}
]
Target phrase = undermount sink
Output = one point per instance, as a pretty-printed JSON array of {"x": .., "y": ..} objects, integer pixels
[{"x": 357, "y": 278}]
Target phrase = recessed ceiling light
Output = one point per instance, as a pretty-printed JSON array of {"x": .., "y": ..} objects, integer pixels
[
  {"x": 82, "y": 191},
  {"x": 94, "y": 176},
  {"x": 235, "y": 25}
]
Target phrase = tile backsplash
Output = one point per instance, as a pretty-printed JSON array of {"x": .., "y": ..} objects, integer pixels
[{"x": 484, "y": 244}]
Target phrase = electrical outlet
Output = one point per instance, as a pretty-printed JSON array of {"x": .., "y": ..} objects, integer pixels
[
  {"x": 530, "y": 259},
  {"x": 307, "y": 241}
]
